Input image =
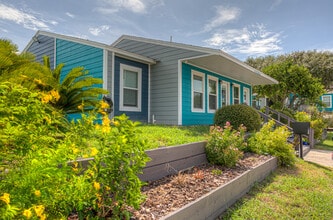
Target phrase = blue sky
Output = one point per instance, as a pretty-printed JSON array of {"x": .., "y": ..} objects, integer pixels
[{"x": 241, "y": 28}]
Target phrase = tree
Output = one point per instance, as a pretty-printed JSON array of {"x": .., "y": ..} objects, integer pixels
[
  {"x": 319, "y": 63},
  {"x": 295, "y": 82}
]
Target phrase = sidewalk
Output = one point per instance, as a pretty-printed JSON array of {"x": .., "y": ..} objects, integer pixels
[{"x": 321, "y": 157}]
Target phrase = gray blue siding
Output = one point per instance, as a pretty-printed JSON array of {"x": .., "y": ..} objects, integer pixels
[
  {"x": 135, "y": 116},
  {"x": 44, "y": 47},
  {"x": 164, "y": 77}
]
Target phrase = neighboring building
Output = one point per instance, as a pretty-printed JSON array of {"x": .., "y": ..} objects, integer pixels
[
  {"x": 327, "y": 101},
  {"x": 155, "y": 81}
]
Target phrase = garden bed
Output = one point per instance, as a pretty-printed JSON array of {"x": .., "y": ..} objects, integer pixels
[{"x": 203, "y": 191}]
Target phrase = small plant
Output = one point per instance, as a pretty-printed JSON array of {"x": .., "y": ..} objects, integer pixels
[
  {"x": 199, "y": 175},
  {"x": 179, "y": 180},
  {"x": 225, "y": 144},
  {"x": 217, "y": 172},
  {"x": 238, "y": 115},
  {"x": 274, "y": 142}
]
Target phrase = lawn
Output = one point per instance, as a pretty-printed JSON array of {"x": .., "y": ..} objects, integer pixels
[
  {"x": 161, "y": 135},
  {"x": 326, "y": 144},
  {"x": 301, "y": 192}
]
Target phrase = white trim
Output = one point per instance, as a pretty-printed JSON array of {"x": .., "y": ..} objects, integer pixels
[
  {"x": 216, "y": 93},
  {"x": 227, "y": 98},
  {"x": 112, "y": 83},
  {"x": 330, "y": 100},
  {"x": 200, "y": 74},
  {"x": 55, "y": 54},
  {"x": 248, "y": 99},
  {"x": 105, "y": 69},
  {"x": 235, "y": 85},
  {"x": 149, "y": 81},
  {"x": 139, "y": 89},
  {"x": 180, "y": 92}
]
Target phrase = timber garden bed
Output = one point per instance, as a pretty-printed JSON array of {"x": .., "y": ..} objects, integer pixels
[{"x": 182, "y": 185}]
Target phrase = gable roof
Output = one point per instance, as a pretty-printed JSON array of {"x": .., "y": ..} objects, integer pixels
[
  {"x": 214, "y": 60},
  {"x": 118, "y": 51}
]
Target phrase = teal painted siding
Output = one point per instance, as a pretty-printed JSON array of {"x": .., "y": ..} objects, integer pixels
[
  {"x": 74, "y": 55},
  {"x": 203, "y": 118},
  {"x": 78, "y": 55}
]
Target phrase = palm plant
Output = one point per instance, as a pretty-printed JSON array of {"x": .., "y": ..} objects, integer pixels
[{"x": 78, "y": 91}]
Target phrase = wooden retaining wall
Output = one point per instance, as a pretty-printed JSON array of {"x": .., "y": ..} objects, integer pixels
[{"x": 171, "y": 160}]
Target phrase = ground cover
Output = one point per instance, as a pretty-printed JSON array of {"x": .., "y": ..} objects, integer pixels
[{"x": 161, "y": 135}]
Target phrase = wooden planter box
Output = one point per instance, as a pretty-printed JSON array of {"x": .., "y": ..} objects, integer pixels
[{"x": 213, "y": 204}]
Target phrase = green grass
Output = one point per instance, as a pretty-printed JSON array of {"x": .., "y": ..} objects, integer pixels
[
  {"x": 326, "y": 144},
  {"x": 301, "y": 192},
  {"x": 161, "y": 135}
]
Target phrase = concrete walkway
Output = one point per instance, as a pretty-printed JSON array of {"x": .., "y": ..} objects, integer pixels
[{"x": 321, "y": 157}]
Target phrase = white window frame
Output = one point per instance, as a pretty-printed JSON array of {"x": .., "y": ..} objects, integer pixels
[
  {"x": 227, "y": 86},
  {"x": 124, "y": 67},
  {"x": 216, "y": 93},
  {"x": 196, "y": 73},
  {"x": 329, "y": 100},
  {"x": 233, "y": 93},
  {"x": 246, "y": 96}
]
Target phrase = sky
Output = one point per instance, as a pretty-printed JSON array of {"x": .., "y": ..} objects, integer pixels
[{"x": 242, "y": 28}]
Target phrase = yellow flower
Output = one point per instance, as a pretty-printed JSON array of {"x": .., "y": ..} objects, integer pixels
[
  {"x": 107, "y": 188},
  {"x": 93, "y": 151},
  {"x": 42, "y": 217},
  {"x": 106, "y": 121},
  {"x": 81, "y": 106},
  {"x": 5, "y": 198},
  {"x": 97, "y": 186},
  {"x": 39, "y": 210},
  {"x": 104, "y": 105},
  {"x": 37, "y": 193},
  {"x": 27, "y": 213},
  {"x": 55, "y": 95},
  {"x": 106, "y": 129},
  {"x": 116, "y": 123},
  {"x": 46, "y": 98}
]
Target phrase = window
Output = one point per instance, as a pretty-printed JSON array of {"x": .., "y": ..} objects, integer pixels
[
  {"x": 246, "y": 96},
  {"x": 236, "y": 94},
  {"x": 198, "y": 92},
  {"x": 130, "y": 88},
  {"x": 212, "y": 94},
  {"x": 327, "y": 101},
  {"x": 225, "y": 93}
]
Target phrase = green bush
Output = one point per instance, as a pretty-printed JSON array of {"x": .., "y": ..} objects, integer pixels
[
  {"x": 273, "y": 141},
  {"x": 224, "y": 145},
  {"x": 37, "y": 180},
  {"x": 237, "y": 115},
  {"x": 317, "y": 122}
]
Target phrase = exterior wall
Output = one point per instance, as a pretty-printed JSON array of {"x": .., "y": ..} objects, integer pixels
[
  {"x": 328, "y": 96},
  {"x": 206, "y": 117},
  {"x": 135, "y": 116},
  {"x": 75, "y": 55},
  {"x": 44, "y": 47},
  {"x": 164, "y": 85}
]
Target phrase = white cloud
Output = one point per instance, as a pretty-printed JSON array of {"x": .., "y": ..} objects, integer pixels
[
  {"x": 98, "y": 30},
  {"x": 70, "y": 15},
  {"x": 253, "y": 40},
  {"x": 223, "y": 16},
  {"x": 28, "y": 21},
  {"x": 135, "y": 6}
]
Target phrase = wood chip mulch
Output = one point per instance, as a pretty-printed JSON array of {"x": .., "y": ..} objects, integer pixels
[{"x": 173, "y": 192}]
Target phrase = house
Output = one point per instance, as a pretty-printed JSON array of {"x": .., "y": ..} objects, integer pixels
[
  {"x": 155, "y": 81},
  {"x": 327, "y": 101}
]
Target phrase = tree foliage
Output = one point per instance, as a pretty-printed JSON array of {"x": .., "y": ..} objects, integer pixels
[{"x": 295, "y": 83}]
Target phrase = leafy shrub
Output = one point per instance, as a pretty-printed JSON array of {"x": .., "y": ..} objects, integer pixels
[
  {"x": 273, "y": 141},
  {"x": 238, "y": 115},
  {"x": 224, "y": 145},
  {"x": 317, "y": 123},
  {"x": 39, "y": 182}
]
